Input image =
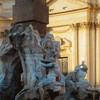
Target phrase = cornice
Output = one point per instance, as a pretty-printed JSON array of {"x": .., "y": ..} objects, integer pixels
[
  {"x": 60, "y": 30},
  {"x": 69, "y": 11},
  {"x": 50, "y": 2}
]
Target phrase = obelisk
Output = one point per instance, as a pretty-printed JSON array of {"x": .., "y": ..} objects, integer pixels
[{"x": 33, "y": 12}]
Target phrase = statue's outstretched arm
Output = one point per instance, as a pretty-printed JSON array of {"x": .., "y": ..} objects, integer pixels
[{"x": 49, "y": 65}]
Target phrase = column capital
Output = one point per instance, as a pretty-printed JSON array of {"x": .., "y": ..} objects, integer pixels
[
  {"x": 83, "y": 25},
  {"x": 98, "y": 24},
  {"x": 90, "y": 24},
  {"x": 74, "y": 26}
]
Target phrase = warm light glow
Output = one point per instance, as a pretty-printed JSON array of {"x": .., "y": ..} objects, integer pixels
[
  {"x": 10, "y": 18},
  {"x": 69, "y": 21}
]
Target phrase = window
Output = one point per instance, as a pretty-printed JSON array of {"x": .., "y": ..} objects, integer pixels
[{"x": 63, "y": 63}]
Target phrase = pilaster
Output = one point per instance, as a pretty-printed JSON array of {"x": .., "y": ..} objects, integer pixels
[
  {"x": 98, "y": 55},
  {"x": 92, "y": 40},
  {"x": 83, "y": 43},
  {"x": 75, "y": 45}
]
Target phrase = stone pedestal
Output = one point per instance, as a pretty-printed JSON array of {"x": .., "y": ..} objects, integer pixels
[{"x": 32, "y": 11}]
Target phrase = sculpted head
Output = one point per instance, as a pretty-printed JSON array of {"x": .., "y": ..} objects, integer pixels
[
  {"x": 16, "y": 29},
  {"x": 49, "y": 36},
  {"x": 19, "y": 28},
  {"x": 84, "y": 68}
]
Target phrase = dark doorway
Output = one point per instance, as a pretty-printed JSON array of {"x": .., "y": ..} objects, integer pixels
[{"x": 63, "y": 63}]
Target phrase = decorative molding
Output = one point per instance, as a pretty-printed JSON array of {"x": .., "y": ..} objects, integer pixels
[
  {"x": 74, "y": 26},
  {"x": 61, "y": 29},
  {"x": 50, "y": 2},
  {"x": 83, "y": 25},
  {"x": 69, "y": 11},
  {"x": 87, "y": 25}
]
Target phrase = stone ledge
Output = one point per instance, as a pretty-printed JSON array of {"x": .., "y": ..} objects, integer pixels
[{"x": 31, "y": 11}]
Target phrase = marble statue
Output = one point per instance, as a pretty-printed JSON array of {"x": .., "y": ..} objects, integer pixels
[
  {"x": 9, "y": 60},
  {"x": 5, "y": 47},
  {"x": 29, "y": 68},
  {"x": 80, "y": 84},
  {"x": 51, "y": 79},
  {"x": 41, "y": 63},
  {"x": 51, "y": 47},
  {"x": 49, "y": 62},
  {"x": 32, "y": 53}
]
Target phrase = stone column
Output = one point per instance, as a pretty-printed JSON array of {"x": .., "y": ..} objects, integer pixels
[
  {"x": 33, "y": 12},
  {"x": 74, "y": 46},
  {"x": 93, "y": 55},
  {"x": 83, "y": 43},
  {"x": 92, "y": 40},
  {"x": 88, "y": 50},
  {"x": 98, "y": 55}
]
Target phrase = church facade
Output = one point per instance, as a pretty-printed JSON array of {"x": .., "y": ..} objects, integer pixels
[{"x": 76, "y": 25}]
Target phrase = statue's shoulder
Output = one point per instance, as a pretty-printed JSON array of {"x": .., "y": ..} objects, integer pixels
[
  {"x": 5, "y": 40},
  {"x": 55, "y": 42}
]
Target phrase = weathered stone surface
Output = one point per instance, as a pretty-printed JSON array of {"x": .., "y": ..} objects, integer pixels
[
  {"x": 10, "y": 70},
  {"x": 40, "y": 27},
  {"x": 30, "y": 10},
  {"x": 23, "y": 55},
  {"x": 37, "y": 1},
  {"x": 39, "y": 57}
]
